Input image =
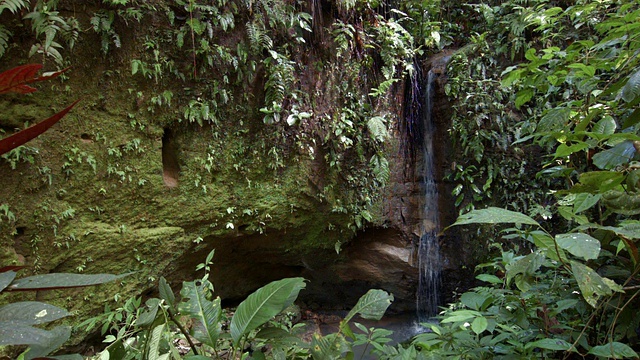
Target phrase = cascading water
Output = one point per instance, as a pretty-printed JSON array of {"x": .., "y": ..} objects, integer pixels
[{"x": 429, "y": 262}]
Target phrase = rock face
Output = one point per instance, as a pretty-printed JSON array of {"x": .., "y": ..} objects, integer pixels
[{"x": 127, "y": 183}]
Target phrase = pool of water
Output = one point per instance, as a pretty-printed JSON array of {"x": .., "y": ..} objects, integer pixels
[{"x": 404, "y": 327}]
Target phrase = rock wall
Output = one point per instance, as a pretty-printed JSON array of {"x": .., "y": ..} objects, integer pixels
[{"x": 126, "y": 183}]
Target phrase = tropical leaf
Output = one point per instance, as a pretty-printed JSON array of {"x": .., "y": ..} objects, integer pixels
[
  {"x": 554, "y": 120},
  {"x": 58, "y": 336},
  {"x": 592, "y": 285},
  {"x": 631, "y": 89},
  {"x": 479, "y": 324},
  {"x": 154, "y": 342},
  {"x": 371, "y": 306},
  {"x": 22, "y": 137},
  {"x": 493, "y": 215},
  {"x": 166, "y": 293},
  {"x": 148, "y": 316},
  {"x": 460, "y": 316},
  {"x": 617, "y": 155},
  {"x": 580, "y": 245},
  {"x": 16, "y": 79},
  {"x": 550, "y": 344},
  {"x": 263, "y": 304},
  {"x": 614, "y": 350},
  {"x": 61, "y": 281},
  {"x": 14, "y": 334},
  {"x": 525, "y": 266},
  {"x": 30, "y": 313},
  {"x": 330, "y": 347},
  {"x": 205, "y": 313},
  {"x": 585, "y": 201},
  {"x": 6, "y": 278}
]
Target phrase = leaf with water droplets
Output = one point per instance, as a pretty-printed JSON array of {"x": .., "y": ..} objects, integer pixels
[
  {"x": 579, "y": 244},
  {"x": 493, "y": 215}
]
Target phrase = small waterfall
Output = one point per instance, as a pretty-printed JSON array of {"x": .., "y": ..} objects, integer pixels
[{"x": 429, "y": 261}]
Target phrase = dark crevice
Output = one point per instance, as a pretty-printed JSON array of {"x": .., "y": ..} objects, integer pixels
[{"x": 170, "y": 165}]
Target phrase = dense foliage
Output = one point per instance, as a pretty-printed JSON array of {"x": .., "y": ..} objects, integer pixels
[{"x": 545, "y": 101}]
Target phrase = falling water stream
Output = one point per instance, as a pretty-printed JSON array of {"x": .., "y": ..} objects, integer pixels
[{"x": 429, "y": 261}]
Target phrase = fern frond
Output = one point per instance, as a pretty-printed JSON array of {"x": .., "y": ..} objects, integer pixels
[
  {"x": 377, "y": 129},
  {"x": 13, "y": 5},
  {"x": 380, "y": 167},
  {"x": 346, "y": 5},
  {"x": 5, "y": 35}
]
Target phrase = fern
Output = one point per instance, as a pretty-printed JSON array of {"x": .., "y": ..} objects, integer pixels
[
  {"x": 380, "y": 167},
  {"x": 346, "y": 5},
  {"x": 259, "y": 40},
  {"x": 5, "y": 35},
  {"x": 13, "y": 5},
  {"x": 377, "y": 129},
  {"x": 280, "y": 78}
]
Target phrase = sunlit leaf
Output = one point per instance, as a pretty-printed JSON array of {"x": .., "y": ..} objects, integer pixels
[
  {"x": 371, "y": 306},
  {"x": 263, "y": 304},
  {"x": 204, "y": 312},
  {"x": 493, "y": 215},
  {"x": 591, "y": 284},
  {"x": 580, "y": 245},
  {"x": 617, "y": 155}
]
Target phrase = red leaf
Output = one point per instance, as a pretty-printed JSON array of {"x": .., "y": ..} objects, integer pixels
[
  {"x": 15, "y": 80},
  {"x": 20, "y": 138},
  {"x": 11, "y": 268}
]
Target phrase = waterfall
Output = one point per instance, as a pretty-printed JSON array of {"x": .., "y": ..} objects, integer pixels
[{"x": 429, "y": 262}]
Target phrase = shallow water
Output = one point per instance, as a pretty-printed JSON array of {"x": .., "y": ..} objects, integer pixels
[{"x": 404, "y": 327}]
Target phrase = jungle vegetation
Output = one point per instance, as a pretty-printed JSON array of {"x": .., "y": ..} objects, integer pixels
[{"x": 545, "y": 118}]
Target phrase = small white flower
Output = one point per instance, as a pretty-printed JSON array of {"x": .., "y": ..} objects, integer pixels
[{"x": 466, "y": 324}]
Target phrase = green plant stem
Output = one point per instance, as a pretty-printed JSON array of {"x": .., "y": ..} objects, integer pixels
[{"x": 183, "y": 331}]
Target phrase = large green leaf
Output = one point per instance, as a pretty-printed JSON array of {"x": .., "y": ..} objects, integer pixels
[
  {"x": 525, "y": 266},
  {"x": 166, "y": 293},
  {"x": 493, "y": 215},
  {"x": 598, "y": 181},
  {"x": 371, "y": 306},
  {"x": 550, "y": 344},
  {"x": 58, "y": 336},
  {"x": 263, "y": 304},
  {"x": 154, "y": 342},
  {"x": 476, "y": 301},
  {"x": 622, "y": 202},
  {"x": 585, "y": 201},
  {"x": 16, "y": 334},
  {"x": 460, "y": 316},
  {"x": 631, "y": 90},
  {"x": 592, "y": 285},
  {"x": 554, "y": 120},
  {"x": 205, "y": 313},
  {"x": 61, "y": 281},
  {"x": 31, "y": 313},
  {"x": 547, "y": 245},
  {"x": 6, "y": 278},
  {"x": 580, "y": 245},
  {"x": 617, "y": 155},
  {"x": 614, "y": 350}
]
